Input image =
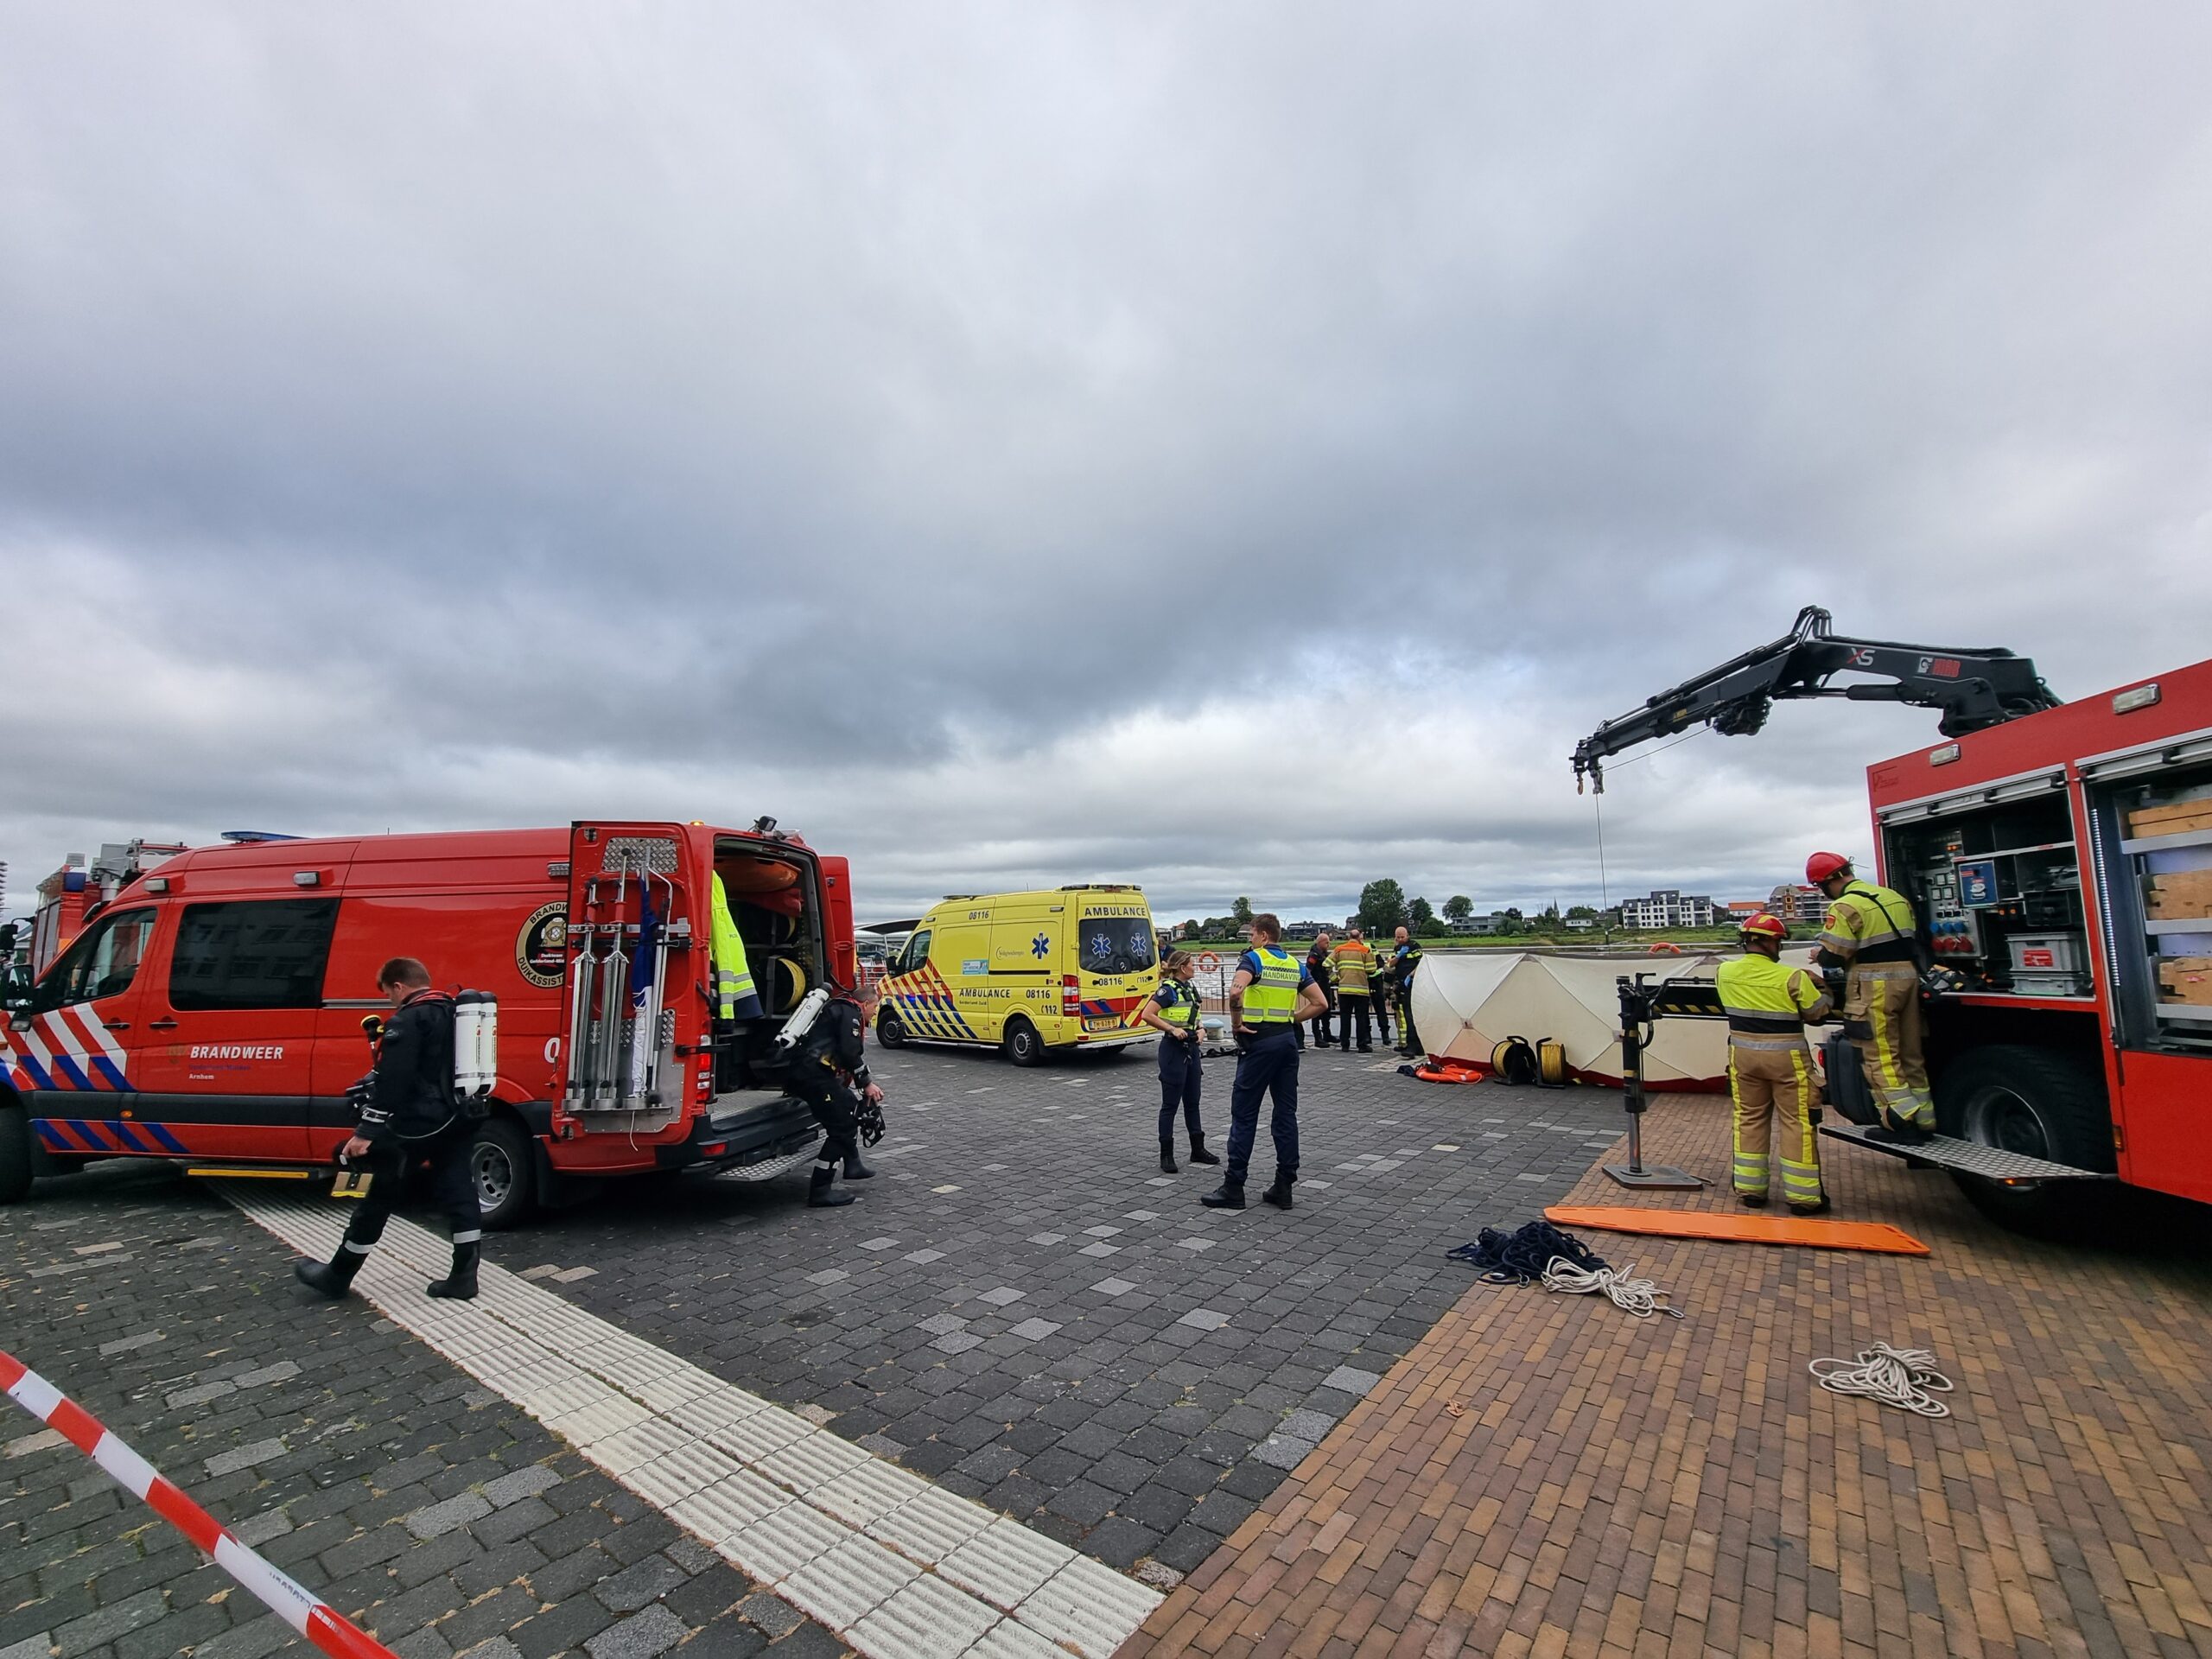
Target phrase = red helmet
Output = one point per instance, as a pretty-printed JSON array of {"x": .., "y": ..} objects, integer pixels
[
  {"x": 1821, "y": 866},
  {"x": 1765, "y": 925}
]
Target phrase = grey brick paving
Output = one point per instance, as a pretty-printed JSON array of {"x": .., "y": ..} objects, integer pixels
[
  {"x": 331, "y": 1436},
  {"x": 932, "y": 1347}
]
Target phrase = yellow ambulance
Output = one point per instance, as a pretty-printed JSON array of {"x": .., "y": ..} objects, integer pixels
[{"x": 1028, "y": 972}]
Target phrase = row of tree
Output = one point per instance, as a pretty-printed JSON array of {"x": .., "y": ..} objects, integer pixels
[{"x": 1384, "y": 908}]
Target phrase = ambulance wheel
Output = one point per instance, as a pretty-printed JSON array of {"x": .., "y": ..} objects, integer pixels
[
  {"x": 889, "y": 1031},
  {"x": 500, "y": 1164},
  {"x": 1023, "y": 1045},
  {"x": 15, "y": 1155}
]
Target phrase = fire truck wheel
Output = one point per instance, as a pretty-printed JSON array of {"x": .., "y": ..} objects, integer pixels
[
  {"x": 2036, "y": 1101},
  {"x": 1023, "y": 1045},
  {"x": 500, "y": 1164},
  {"x": 14, "y": 1154},
  {"x": 888, "y": 1030}
]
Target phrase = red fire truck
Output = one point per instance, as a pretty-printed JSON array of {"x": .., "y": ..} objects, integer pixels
[
  {"x": 2059, "y": 858},
  {"x": 210, "y": 1010}
]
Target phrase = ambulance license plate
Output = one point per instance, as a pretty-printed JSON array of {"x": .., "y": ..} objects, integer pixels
[{"x": 1101, "y": 1025}]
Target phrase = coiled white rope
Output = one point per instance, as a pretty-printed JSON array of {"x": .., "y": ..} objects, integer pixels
[
  {"x": 1895, "y": 1377},
  {"x": 1638, "y": 1297}
]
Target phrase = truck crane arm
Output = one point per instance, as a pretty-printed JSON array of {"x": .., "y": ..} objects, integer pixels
[{"x": 1972, "y": 687}]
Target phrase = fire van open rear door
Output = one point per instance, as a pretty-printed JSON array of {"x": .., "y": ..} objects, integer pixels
[{"x": 630, "y": 973}]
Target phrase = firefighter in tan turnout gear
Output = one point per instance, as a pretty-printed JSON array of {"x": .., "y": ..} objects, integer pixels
[
  {"x": 1770, "y": 1075},
  {"x": 1870, "y": 933}
]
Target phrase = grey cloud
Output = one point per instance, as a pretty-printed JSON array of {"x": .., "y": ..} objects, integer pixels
[{"x": 828, "y": 407}]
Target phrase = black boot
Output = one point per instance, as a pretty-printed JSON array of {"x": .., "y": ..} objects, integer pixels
[
  {"x": 818, "y": 1193},
  {"x": 459, "y": 1285},
  {"x": 1199, "y": 1153},
  {"x": 1226, "y": 1196},
  {"x": 855, "y": 1170},
  {"x": 332, "y": 1278},
  {"x": 1167, "y": 1165},
  {"x": 1751, "y": 1200},
  {"x": 1279, "y": 1194}
]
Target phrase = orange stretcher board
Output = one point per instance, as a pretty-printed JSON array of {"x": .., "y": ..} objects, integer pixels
[{"x": 1740, "y": 1230}]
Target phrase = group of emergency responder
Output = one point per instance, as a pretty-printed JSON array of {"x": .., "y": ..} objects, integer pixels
[
  {"x": 1359, "y": 985},
  {"x": 1869, "y": 956},
  {"x": 416, "y": 1131}
]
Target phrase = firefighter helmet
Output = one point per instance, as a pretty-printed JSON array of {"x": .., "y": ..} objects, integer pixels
[
  {"x": 1821, "y": 866},
  {"x": 1765, "y": 925}
]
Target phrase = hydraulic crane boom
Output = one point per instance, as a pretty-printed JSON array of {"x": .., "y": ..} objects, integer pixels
[{"x": 1972, "y": 687}]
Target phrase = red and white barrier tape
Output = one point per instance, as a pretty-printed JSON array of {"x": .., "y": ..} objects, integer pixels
[{"x": 304, "y": 1611}]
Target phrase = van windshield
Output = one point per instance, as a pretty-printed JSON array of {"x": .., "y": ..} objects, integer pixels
[{"x": 1114, "y": 944}]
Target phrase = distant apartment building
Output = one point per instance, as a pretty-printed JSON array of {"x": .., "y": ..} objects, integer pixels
[
  {"x": 1796, "y": 903},
  {"x": 1667, "y": 907},
  {"x": 1498, "y": 921},
  {"x": 1742, "y": 909}
]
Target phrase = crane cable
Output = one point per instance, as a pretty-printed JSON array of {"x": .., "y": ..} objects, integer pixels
[
  {"x": 1638, "y": 1298},
  {"x": 1597, "y": 806},
  {"x": 1905, "y": 1377}
]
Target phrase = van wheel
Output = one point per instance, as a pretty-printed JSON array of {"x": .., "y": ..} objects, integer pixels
[
  {"x": 14, "y": 1154},
  {"x": 889, "y": 1030},
  {"x": 500, "y": 1164},
  {"x": 1023, "y": 1045}
]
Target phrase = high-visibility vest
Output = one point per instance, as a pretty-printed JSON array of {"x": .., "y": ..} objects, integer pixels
[
  {"x": 735, "y": 996},
  {"x": 1769, "y": 1003},
  {"x": 1178, "y": 1003},
  {"x": 1353, "y": 961},
  {"x": 1866, "y": 924},
  {"x": 1272, "y": 997}
]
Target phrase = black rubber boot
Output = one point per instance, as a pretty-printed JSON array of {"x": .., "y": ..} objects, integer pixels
[
  {"x": 1751, "y": 1200},
  {"x": 1819, "y": 1209},
  {"x": 855, "y": 1170},
  {"x": 332, "y": 1278},
  {"x": 459, "y": 1285},
  {"x": 1199, "y": 1153},
  {"x": 1279, "y": 1194},
  {"x": 819, "y": 1196},
  {"x": 1167, "y": 1164},
  {"x": 1224, "y": 1197}
]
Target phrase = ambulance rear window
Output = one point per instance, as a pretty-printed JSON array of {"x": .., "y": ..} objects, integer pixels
[
  {"x": 1114, "y": 944},
  {"x": 252, "y": 954}
]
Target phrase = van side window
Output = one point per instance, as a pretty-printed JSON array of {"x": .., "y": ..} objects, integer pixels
[
  {"x": 252, "y": 954},
  {"x": 916, "y": 953},
  {"x": 102, "y": 962}
]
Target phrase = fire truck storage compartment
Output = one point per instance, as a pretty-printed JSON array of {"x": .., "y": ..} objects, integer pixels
[
  {"x": 2160, "y": 820},
  {"x": 1996, "y": 880}
]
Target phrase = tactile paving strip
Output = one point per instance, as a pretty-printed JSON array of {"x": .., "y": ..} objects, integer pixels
[{"x": 897, "y": 1568}]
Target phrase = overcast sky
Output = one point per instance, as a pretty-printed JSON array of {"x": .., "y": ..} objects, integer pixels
[{"x": 1236, "y": 448}]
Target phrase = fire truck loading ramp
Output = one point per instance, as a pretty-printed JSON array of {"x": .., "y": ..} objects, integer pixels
[
  {"x": 1740, "y": 1229},
  {"x": 1969, "y": 1157}
]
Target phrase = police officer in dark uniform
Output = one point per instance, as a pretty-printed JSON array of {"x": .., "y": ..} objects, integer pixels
[
  {"x": 829, "y": 1072},
  {"x": 414, "y": 1135},
  {"x": 1405, "y": 963},
  {"x": 1271, "y": 993}
]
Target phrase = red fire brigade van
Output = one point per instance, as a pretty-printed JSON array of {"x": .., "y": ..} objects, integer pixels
[{"x": 210, "y": 1012}]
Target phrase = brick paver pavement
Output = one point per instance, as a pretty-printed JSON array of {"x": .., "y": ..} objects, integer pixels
[
  {"x": 433, "y": 1513},
  {"x": 1024, "y": 1309},
  {"x": 1544, "y": 1475}
]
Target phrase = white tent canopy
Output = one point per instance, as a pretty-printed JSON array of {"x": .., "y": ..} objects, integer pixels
[{"x": 1464, "y": 1006}]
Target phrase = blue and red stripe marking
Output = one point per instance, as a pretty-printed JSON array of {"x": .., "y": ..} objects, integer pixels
[{"x": 153, "y": 1140}]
